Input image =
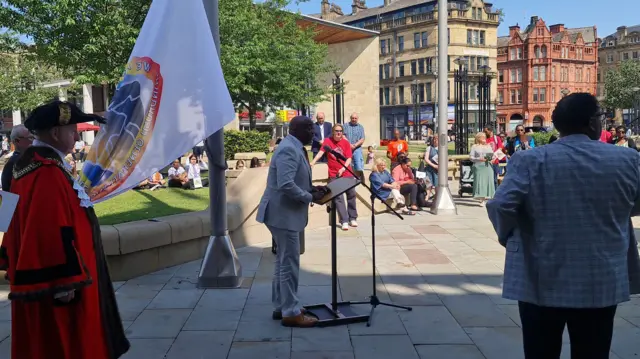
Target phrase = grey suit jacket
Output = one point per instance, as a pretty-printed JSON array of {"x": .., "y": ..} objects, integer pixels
[
  {"x": 285, "y": 202},
  {"x": 563, "y": 213}
]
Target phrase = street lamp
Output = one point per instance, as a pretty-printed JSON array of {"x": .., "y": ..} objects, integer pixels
[
  {"x": 484, "y": 86},
  {"x": 338, "y": 98},
  {"x": 416, "y": 110},
  {"x": 461, "y": 103}
]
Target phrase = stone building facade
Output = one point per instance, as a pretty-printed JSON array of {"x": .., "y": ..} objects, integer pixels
[
  {"x": 408, "y": 59},
  {"x": 623, "y": 45},
  {"x": 539, "y": 65}
]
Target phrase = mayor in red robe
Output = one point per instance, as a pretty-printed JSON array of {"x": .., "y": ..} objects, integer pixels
[{"x": 62, "y": 299}]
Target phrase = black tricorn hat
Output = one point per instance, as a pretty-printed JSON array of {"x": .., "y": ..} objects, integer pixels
[{"x": 58, "y": 113}]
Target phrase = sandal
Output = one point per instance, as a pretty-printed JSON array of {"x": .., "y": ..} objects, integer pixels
[{"x": 408, "y": 213}]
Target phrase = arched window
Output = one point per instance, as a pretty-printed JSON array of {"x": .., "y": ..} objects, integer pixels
[
  {"x": 544, "y": 51},
  {"x": 536, "y": 50}
]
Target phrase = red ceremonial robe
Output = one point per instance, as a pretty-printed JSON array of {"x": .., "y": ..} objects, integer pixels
[{"x": 53, "y": 245}]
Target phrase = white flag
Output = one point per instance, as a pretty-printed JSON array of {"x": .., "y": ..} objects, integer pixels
[{"x": 173, "y": 95}]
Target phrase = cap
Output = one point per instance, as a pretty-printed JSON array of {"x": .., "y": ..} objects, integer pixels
[{"x": 58, "y": 113}]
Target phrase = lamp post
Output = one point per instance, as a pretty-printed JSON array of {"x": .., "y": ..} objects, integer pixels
[
  {"x": 461, "y": 103},
  {"x": 484, "y": 86},
  {"x": 416, "y": 110},
  {"x": 338, "y": 99},
  {"x": 635, "y": 124}
]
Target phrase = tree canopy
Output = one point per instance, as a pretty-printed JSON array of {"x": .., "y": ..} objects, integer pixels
[
  {"x": 23, "y": 76},
  {"x": 620, "y": 85},
  {"x": 267, "y": 59}
]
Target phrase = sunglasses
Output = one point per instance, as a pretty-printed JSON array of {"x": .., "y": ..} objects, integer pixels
[{"x": 338, "y": 131}]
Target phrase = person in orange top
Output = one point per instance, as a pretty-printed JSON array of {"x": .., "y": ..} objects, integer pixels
[{"x": 395, "y": 147}]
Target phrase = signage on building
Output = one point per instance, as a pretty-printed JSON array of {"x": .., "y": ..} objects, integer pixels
[
  {"x": 244, "y": 116},
  {"x": 284, "y": 116},
  {"x": 425, "y": 116}
]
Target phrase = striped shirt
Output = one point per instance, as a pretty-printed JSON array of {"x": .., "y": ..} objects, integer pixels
[{"x": 354, "y": 133}]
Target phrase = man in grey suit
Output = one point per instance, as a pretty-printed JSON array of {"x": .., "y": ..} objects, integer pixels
[
  {"x": 284, "y": 208},
  {"x": 563, "y": 213}
]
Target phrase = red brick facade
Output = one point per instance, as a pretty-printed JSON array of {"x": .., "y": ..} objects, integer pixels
[{"x": 540, "y": 65}]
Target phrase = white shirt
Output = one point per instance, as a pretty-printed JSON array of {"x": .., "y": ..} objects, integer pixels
[
  {"x": 322, "y": 131},
  {"x": 79, "y": 145},
  {"x": 200, "y": 144},
  {"x": 194, "y": 171},
  {"x": 175, "y": 172}
]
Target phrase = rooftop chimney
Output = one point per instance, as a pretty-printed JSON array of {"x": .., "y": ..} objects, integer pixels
[
  {"x": 387, "y": 2},
  {"x": 534, "y": 20},
  {"x": 514, "y": 30},
  {"x": 622, "y": 32},
  {"x": 556, "y": 29},
  {"x": 324, "y": 9},
  {"x": 357, "y": 5}
]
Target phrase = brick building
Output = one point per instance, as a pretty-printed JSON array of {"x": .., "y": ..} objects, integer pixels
[{"x": 540, "y": 65}]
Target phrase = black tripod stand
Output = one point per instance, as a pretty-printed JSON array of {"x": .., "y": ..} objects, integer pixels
[{"x": 374, "y": 301}]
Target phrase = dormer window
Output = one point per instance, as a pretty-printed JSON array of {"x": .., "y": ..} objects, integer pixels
[{"x": 611, "y": 43}]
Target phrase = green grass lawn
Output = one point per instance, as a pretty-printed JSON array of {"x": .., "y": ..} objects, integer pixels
[{"x": 137, "y": 205}]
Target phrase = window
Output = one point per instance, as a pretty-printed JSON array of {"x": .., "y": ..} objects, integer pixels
[
  {"x": 400, "y": 69},
  {"x": 380, "y": 71},
  {"x": 449, "y": 63},
  {"x": 428, "y": 89},
  {"x": 544, "y": 51},
  {"x": 472, "y": 64},
  {"x": 625, "y": 56},
  {"x": 416, "y": 40},
  {"x": 421, "y": 92},
  {"x": 519, "y": 94},
  {"x": 401, "y": 95},
  {"x": 519, "y": 75},
  {"x": 387, "y": 71},
  {"x": 400, "y": 43},
  {"x": 553, "y": 73},
  {"x": 540, "y": 31},
  {"x": 514, "y": 79},
  {"x": 386, "y": 96},
  {"x": 635, "y": 54},
  {"x": 609, "y": 58},
  {"x": 553, "y": 94},
  {"x": 473, "y": 92},
  {"x": 482, "y": 35},
  {"x": 473, "y": 13},
  {"x": 543, "y": 73},
  {"x": 536, "y": 50},
  {"x": 578, "y": 75},
  {"x": 543, "y": 95},
  {"x": 421, "y": 66},
  {"x": 513, "y": 54},
  {"x": 536, "y": 76},
  {"x": 476, "y": 35},
  {"x": 448, "y": 36},
  {"x": 535, "y": 95},
  {"x": 425, "y": 38},
  {"x": 514, "y": 99},
  {"x": 381, "y": 96},
  {"x": 414, "y": 65},
  {"x": 469, "y": 37},
  {"x": 500, "y": 76},
  {"x": 414, "y": 93},
  {"x": 500, "y": 98},
  {"x": 588, "y": 75},
  {"x": 429, "y": 64},
  {"x": 383, "y": 47},
  {"x": 519, "y": 51}
]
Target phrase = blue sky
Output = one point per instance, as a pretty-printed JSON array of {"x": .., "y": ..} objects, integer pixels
[{"x": 607, "y": 16}]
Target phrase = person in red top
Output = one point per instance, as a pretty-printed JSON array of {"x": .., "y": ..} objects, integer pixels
[
  {"x": 403, "y": 175},
  {"x": 395, "y": 147},
  {"x": 346, "y": 214},
  {"x": 496, "y": 143},
  {"x": 606, "y": 136}
]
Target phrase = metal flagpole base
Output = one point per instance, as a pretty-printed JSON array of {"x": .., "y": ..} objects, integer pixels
[
  {"x": 443, "y": 203},
  {"x": 220, "y": 267}
]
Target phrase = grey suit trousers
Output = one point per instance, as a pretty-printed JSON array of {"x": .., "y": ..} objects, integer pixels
[{"x": 284, "y": 287}]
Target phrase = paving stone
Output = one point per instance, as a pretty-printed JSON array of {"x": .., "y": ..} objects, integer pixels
[
  {"x": 132, "y": 300},
  {"x": 430, "y": 229},
  {"x": 206, "y": 318},
  {"x": 512, "y": 311},
  {"x": 625, "y": 343},
  {"x": 5, "y": 330},
  {"x": 260, "y": 292},
  {"x": 224, "y": 299},
  {"x": 148, "y": 348},
  {"x": 433, "y": 325},
  {"x": 476, "y": 310},
  {"x": 449, "y": 351},
  {"x": 316, "y": 275},
  {"x": 322, "y": 355},
  {"x": 151, "y": 279},
  {"x": 315, "y": 294},
  {"x": 385, "y": 321},
  {"x": 383, "y": 347},
  {"x": 159, "y": 323},
  {"x": 176, "y": 299},
  {"x": 5, "y": 313},
  {"x": 426, "y": 256},
  {"x": 201, "y": 345},
  {"x": 183, "y": 283},
  {"x": 415, "y": 294},
  {"x": 5, "y": 348},
  {"x": 498, "y": 342},
  {"x": 321, "y": 339},
  {"x": 250, "y": 261},
  {"x": 264, "y": 330},
  {"x": 441, "y": 238},
  {"x": 253, "y": 350}
]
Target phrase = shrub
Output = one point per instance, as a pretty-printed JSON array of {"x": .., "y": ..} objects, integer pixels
[
  {"x": 542, "y": 138},
  {"x": 245, "y": 141}
]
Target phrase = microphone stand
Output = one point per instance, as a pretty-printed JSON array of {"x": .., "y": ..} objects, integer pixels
[{"x": 374, "y": 301}]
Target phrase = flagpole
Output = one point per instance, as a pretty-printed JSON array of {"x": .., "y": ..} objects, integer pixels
[{"x": 220, "y": 265}]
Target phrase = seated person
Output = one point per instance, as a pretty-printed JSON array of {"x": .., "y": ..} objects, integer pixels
[
  {"x": 239, "y": 164},
  {"x": 78, "y": 151},
  {"x": 403, "y": 174},
  {"x": 255, "y": 162},
  {"x": 155, "y": 181},
  {"x": 178, "y": 176},
  {"x": 193, "y": 173},
  {"x": 384, "y": 186}
]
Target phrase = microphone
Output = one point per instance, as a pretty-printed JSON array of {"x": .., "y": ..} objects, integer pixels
[{"x": 333, "y": 152}]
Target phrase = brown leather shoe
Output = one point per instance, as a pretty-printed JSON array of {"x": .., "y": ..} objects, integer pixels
[
  {"x": 277, "y": 315},
  {"x": 299, "y": 321}
]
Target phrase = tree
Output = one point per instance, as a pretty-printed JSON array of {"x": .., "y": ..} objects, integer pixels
[
  {"x": 268, "y": 59},
  {"x": 621, "y": 85},
  {"x": 23, "y": 77},
  {"x": 89, "y": 40}
]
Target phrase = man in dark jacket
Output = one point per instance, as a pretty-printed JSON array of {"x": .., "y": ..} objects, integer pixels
[{"x": 21, "y": 139}]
